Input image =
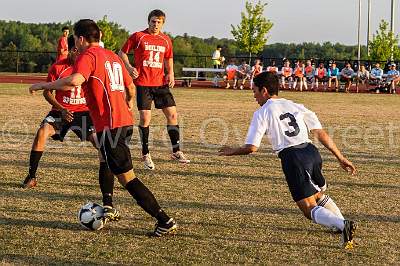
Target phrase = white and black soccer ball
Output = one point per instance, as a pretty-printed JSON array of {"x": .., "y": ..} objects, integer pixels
[{"x": 90, "y": 216}]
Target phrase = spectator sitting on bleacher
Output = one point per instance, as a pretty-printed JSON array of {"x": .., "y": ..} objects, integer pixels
[
  {"x": 346, "y": 76},
  {"x": 286, "y": 75},
  {"x": 333, "y": 75},
  {"x": 362, "y": 75},
  {"x": 299, "y": 75},
  {"x": 309, "y": 71},
  {"x": 272, "y": 68},
  {"x": 320, "y": 75},
  {"x": 392, "y": 75},
  {"x": 231, "y": 70},
  {"x": 243, "y": 73},
  {"x": 255, "y": 70},
  {"x": 376, "y": 75}
]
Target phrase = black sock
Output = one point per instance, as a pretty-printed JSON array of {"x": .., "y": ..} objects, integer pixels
[
  {"x": 106, "y": 181},
  {"x": 146, "y": 200},
  {"x": 34, "y": 162},
  {"x": 144, "y": 138},
  {"x": 173, "y": 132}
]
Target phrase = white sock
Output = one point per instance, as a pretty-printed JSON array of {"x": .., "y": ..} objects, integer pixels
[
  {"x": 325, "y": 217},
  {"x": 328, "y": 203}
]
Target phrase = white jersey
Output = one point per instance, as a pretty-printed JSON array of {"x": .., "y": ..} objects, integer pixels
[{"x": 284, "y": 122}]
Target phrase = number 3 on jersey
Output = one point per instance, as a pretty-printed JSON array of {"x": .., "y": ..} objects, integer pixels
[
  {"x": 115, "y": 76},
  {"x": 292, "y": 123}
]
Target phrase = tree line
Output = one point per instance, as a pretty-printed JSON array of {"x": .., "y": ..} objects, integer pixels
[{"x": 37, "y": 42}]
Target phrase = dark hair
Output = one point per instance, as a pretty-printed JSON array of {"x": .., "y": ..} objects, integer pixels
[
  {"x": 156, "y": 13},
  {"x": 219, "y": 46},
  {"x": 87, "y": 28},
  {"x": 64, "y": 28},
  {"x": 269, "y": 81},
  {"x": 71, "y": 43}
]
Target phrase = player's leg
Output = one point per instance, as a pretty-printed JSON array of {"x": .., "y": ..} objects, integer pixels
[
  {"x": 45, "y": 131},
  {"x": 336, "y": 83},
  {"x": 295, "y": 83},
  {"x": 144, "y": 99},
  {"x": 329, "y": 83},
  {"x": 164, "y": 100},
  {"x": 106, "y": 182},
  {"x": 119, "y": 160}
]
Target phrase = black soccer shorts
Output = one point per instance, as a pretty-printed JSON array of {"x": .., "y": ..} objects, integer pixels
[
  {"x": 161, "y": 96},
  {"x": 302, "y": 166},
  {"x": 115, "y": 150},
  {"x": 81, "y": 125}
]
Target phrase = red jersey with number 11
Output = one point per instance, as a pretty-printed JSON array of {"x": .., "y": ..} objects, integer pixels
[
  {"x": 73, "y": 100},
  {"x": 106, "y": 79},
  {"x": 149, "y": 53}
]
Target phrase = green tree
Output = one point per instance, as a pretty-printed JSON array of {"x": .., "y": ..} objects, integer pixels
[
  {"x": 251, "y": 33},
  {"x": 114, "y": 36},
  {"x": 382, "y": 43}
]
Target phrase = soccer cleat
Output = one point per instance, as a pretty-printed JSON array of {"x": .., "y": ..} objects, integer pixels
[
  {"x": 111, "y": 214},
  {"x": 148, "y": 162},
  {"x": 169, "y": 228},
  {"x": 180, "y": 157},
  {"x": 29, "y": 182},
  {"x": 348, "y": 234}
]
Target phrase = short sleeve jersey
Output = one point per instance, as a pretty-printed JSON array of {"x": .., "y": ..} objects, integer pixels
[
  {"x": 231, "y": 71},
  {"x": 62, "y": 44},
  {"x": 73, "y": 100},
  {"x": 256, "y": 69},
  {"x": 309, "y": 71},
  {"x": 149, "y": 54},
  {"x": 287, "y": 71},
  {"x": 106, "y": 78},
  {"x": 284, "y": 122},
  {"x": 320, "y": 72}
]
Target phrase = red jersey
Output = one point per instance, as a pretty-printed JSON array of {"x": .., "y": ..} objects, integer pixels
[
  {"x": 149, "y": 54},
  {"x": 106, "y": 79},
  {"x": 62, "y": 44},
  {"x": 73, "y": 100}
]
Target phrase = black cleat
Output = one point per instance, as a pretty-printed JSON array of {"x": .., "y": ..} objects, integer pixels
[
  {"x": 350, "y": 228},
  {"x": 169, "y": 228},
  {"x": 29, "y": 182}
]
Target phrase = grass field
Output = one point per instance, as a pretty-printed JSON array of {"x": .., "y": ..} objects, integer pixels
[{"x": 230, "y": 209}]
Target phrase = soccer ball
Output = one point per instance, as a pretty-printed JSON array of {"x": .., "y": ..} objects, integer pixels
[{"x": 90, "y": 216}]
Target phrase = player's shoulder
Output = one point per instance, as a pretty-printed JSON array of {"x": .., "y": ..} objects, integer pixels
[{"x": 60, "y": 65}]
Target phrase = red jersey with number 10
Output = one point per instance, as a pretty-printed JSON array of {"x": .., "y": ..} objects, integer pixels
[
  {"x": 106, "y": 79},
  {"x": 149, "y": 53},
  {"x": 73, "y": 100}
]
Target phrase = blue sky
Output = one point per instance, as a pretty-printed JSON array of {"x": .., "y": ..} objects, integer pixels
[{"x": 294, "y": 20}]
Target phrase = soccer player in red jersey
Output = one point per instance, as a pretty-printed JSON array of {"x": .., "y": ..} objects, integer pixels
[
  {"x": 152, "y": 50},
  {"x": 109, "y": 93},
  {"x": 69, "y": 112},
  {"x": 62, "y": 45}
]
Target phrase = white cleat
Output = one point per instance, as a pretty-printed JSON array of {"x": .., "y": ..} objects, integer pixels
[
  {"x": 148, "y": 162},
  {"x": 180, "y": 157}
]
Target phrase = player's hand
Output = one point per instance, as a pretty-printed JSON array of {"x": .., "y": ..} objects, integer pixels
[
  {"x": 348, "y": 166},
  {"x": 36, "y": 87},
  {"x": 130, "y": 105},
  {"x": 171, "y": 81},
  {"x": 226, "y": 151},
  {"x": 67, "y": 115},
  {"x": 133, "y": 72}
]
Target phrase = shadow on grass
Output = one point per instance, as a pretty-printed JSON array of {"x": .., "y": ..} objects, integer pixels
[
  {"x": 18, "y": 259},
  {"x": 42, "y": 224}
]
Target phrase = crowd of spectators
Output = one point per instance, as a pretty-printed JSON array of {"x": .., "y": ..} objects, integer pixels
[{"x": 304, "y": 75}]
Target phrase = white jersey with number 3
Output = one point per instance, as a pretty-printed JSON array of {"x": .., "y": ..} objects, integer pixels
[{"x": 284, "y": 122}]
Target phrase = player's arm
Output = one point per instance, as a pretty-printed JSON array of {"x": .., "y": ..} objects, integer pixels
[
  {"x": 170, "y": 72},
  {"x": 130, "y": 95},
  {"x": 327, "y": 141},
  {"x": 244, "y": 150},
  {"x": 65, "y": 84},
  {"x": 125, "y": 59},
  {"x": 65, "y": 113}
]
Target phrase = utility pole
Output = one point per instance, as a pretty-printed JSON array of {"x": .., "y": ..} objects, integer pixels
[
  {"x": 392, "y": 26},
  {"x": 359, "y": 26},
  {"x": 369, "y": 26}
]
